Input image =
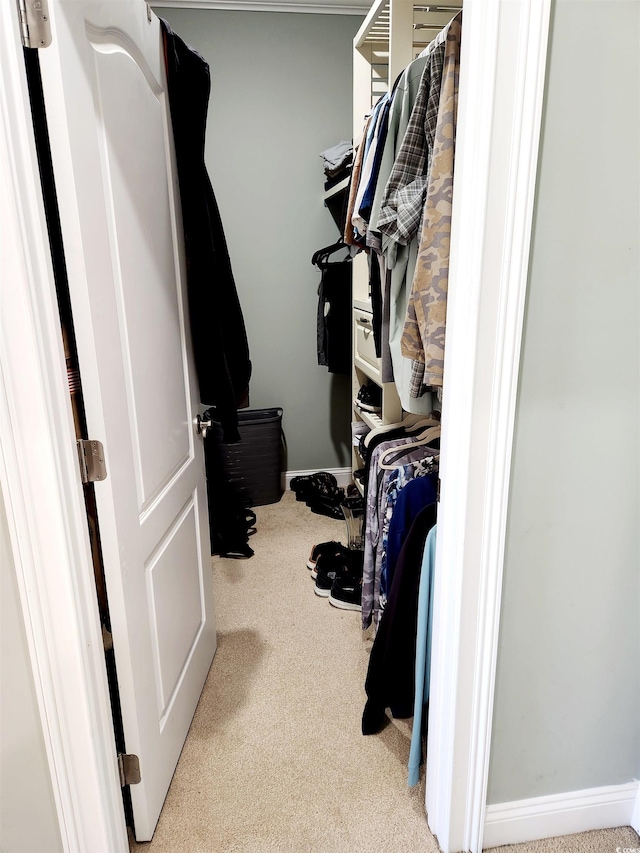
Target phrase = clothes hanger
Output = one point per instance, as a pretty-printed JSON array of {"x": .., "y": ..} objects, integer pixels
[
  {"x": 423, "y": 438},
  {"x": 409, "y": 423},
  {"x": 322, "y": 255}
]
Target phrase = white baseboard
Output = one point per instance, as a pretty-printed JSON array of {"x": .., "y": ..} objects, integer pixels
[
  {"x": 342, "y": 475},
  {"x": 635, "y": 817},
  {"x": 560, "y": 814}
]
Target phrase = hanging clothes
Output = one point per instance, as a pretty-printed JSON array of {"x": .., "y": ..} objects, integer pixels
[
  {"x": 423, "y": 335},
  {"x": 403, "y": 200},
  {"x": 368, "y": 176},
  {"x": 334, "y": 310},
  {"x": 402, "y": 450},
  {"x": 350, "y": 237},
  {"x": 370, "y": 583},
  {"x": 404, "y": 96},
  {"x": 219, "y": 339},
  {"x": 410, "y": 488},
  {"x": 424, "y": 634},
  {"x": 400, "y": 208},
  {"x": 390, "y": 679}
]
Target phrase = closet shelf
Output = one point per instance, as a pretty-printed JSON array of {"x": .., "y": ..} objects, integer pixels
[
  {"x": 372, "y": 420},
  {"x": 368, "y": 369},
  {"x": 341, "y": 187}
]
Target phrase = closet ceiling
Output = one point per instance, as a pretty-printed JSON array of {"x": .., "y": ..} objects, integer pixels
[{"x": 323, "y": 7}]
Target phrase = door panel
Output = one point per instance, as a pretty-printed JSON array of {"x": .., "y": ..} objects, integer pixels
[
  {"x": 177, "y": 605},
  {"x": 111, "y": 141},
  {"x": 138, "y": 195}
]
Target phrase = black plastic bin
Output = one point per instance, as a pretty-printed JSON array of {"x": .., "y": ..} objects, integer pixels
[{"x": 252, "y": 468}]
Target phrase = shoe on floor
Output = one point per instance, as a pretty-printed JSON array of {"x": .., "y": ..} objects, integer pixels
[
  {"x": 370, "y": 397},
  {"x": 322, "y": 484},
  {"x": 346, "y": 590},
  {"x": 328, "y": 568},
  {"x": 331, "y": 548},
  {"x": 327, "y": 506}
]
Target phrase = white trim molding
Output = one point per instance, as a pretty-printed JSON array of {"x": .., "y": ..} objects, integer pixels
[
  {"x": 342, "y": 475},
  {"x": 327, "y": 7},
  {"x": 635, "y": 817},
  {"x": 503, "y": 67},
  {"x": 41, "y": 486},
  {"x": 560, "y": 814}
]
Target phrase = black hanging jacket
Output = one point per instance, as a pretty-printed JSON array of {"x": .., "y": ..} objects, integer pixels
[
  {"x": 390, "y": 679},
  {"x": 218, "y": 333}
]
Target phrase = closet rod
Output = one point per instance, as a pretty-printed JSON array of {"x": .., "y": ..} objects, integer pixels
[
  {"x": 437, "y": 8},
  {"x": 428, "y": 26}
]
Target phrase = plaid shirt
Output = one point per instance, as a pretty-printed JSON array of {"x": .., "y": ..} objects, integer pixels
[
  {"x": 424, "y": 329},
  {"x": 403, "y": 202}
]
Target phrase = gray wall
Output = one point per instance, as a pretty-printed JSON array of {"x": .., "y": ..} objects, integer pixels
[
  {"x": 281, "y": 93},
  {"x": 28, "y": 819},
  {"x": 568, "y": 681}
]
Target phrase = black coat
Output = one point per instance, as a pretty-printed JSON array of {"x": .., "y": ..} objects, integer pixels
[
  {"x": 391, "y": 675},
  {"x": 220, "y": 347}
]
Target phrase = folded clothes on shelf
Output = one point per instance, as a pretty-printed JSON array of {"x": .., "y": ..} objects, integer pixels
[
  {"x": 337, "y": 157},
  {"x": 333, "y": 180},
  {"x": 358, "y": 430}
]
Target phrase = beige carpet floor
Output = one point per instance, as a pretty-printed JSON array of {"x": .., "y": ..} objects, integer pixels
[{"x": 275, "y": 760}]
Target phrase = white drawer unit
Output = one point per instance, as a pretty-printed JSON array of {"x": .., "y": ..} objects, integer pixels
[{"x": 364, "y": 339}]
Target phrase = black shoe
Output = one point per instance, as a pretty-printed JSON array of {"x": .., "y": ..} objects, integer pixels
[
  {"x": 370, "y": 397},
  {"x": 328, "y": 568},
  {"x": 324, "y": 549},
  {"x": 346, "y": 590}
]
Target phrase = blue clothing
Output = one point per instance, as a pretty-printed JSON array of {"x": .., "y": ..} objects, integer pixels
[
  {"x": 423, "y": 653},
  {"x": 397, "y": 481},
  {"x": 370, "y": 191},
  {"x": 417, "y": 494}
]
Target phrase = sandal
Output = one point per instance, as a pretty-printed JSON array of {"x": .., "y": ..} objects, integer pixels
[
  {"x": 329, "y": 509},
  {"x": 313, "y": 482}
]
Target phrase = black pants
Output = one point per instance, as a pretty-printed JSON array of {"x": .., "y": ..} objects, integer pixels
[{"x": 334, "y": 316}]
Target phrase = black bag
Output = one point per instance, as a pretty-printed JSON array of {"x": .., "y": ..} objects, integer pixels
[{"x": 334, "y": 310}]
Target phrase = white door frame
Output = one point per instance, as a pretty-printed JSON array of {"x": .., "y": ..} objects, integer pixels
[
  {"x": 504, "y": 54},
  {"x": 504, "y": 58},
  {"x": 41, "y": 486}
]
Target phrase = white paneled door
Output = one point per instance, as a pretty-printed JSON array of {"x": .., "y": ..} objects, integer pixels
[{"x": 111, "y": 142}]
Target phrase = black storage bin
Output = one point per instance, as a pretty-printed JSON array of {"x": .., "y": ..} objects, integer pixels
[{"x": 253, "y": 466}]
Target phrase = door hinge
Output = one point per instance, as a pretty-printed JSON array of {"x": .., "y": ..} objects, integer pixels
[
  {"x": 107, "y": 639},
  {"x": 129, "y": 769},
  {"x": 35, "y": 24},
  {"x": 438, "y": 485},
  {"x": 92, "y": 464}
]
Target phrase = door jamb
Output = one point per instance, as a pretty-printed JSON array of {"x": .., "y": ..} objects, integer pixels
[
  {"x": 504, "y": 57},
  {"x": 41, "y": 486},
  {"x": 503, "y": 65}
]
